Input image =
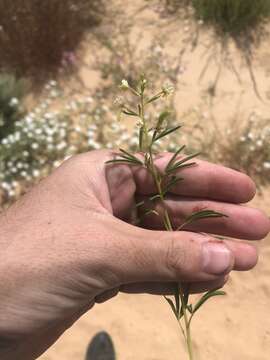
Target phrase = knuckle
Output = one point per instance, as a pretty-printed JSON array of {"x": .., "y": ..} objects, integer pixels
[{"x": 177, "y": 256}]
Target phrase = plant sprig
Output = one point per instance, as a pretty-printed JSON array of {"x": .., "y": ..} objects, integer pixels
[{"x": 149, "y": 135}]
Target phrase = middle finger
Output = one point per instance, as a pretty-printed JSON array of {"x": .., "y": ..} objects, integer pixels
[{"x": 240, "y": 222}]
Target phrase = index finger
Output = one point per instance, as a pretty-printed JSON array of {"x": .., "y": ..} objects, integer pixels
[{"x": 203, "y": 180}]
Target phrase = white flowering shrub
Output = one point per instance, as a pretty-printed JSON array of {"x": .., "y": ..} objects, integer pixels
[
  {"x": 11, "y": 92},
  {"x": 56, "y": 129}
]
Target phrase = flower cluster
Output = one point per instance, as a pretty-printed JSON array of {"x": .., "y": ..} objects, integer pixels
[{"x": 57, "y": 128}]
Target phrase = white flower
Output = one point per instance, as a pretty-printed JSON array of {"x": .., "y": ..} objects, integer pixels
[
  {"x": 17, "y": 136},
  {"x": 54, "y": 94},
  {"x": 73, "y": 105},
  {"x": 11, "y": 193},
  {"x": 48, "y": 116},
  {"x": 36, "y": 173},
  {"x": 38, "y": 131},
  {"x": 61, "y": 145},
  {"x": 242, "y": 139},
  {"x": 109, "y": 145},
  {"x": 266, "y": 165},
  {"x": 167, "y": 89},
  {"x": 29, "y": 119},
  {"x": 89, "y": 100},
  {"x": 14, "y": 102},
  {"x": 124, "y": 84},
  {"x": 35, "y": 146},
  {"x": 5, "y": 185},
  {"x": 78, "y": 129},
  {"x": 57, "y": 163},
  {"x": 157, "y": 49},
  {"x": 62, "y": 133},
  {"x": 53, "y": 83},
  {"x": 259, "y": 143}
]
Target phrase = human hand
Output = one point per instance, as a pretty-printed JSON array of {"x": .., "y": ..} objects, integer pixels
[{"x": 69, "y": 243}]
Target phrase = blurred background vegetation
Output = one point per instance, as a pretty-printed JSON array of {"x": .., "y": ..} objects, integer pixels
[{"x": 62, "y": 62}]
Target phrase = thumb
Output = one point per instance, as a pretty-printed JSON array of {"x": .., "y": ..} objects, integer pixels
[{"x": 179, "y": 256}]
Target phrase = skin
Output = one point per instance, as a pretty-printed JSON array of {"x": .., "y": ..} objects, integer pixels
[{"x": 70, "y": 243}]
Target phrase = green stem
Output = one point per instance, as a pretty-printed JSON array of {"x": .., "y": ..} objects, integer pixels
[
  {"x": 187, "y": 326},
  {"x": 167, "y": 223},
  {"x": 169, "y": 227}
]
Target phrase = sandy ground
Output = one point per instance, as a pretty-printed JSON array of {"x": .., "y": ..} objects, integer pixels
[{"x": 233, "y": 328}]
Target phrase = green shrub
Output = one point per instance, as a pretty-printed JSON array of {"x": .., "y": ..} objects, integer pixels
[
  {"x": 37, "y": 37},
  {"x": 236, "y": 18},
  {"x": 232, "y": 17},
  {"x": 11, "y": 92}
]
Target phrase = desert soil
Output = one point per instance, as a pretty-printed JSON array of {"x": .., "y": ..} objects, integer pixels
[{"x": 236, "y": 327}]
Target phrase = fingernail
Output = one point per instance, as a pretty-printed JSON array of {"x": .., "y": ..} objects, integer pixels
[{"x": 217, "y": 258}]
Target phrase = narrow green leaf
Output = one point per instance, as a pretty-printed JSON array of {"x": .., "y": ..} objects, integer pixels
[
  {"x": 155, "y": 197},
  {"x": 140, "y": 110},
  {"x": 190, "y": 308},
  {"x": 174, "y": 157},
  {"x": 170, "y": 302},
  {"x": 162, "y": 117},
  {"x": 180, "y": 167},
  {"x": 206, "y": 297},
  {"x": 204, "y": 214},
  {"x": 200, "y": 215},
  {"x": 185, "y": 300},
  {"x": 173, "y": 181},
  {"x": 154, "y": 98},
  {"x": 178, "y": 164},
  {"x": 166, "y": 132},
  {"x": 125, "y": 157},
  {"x": 122, "y": 161},
  {"x": 141, "y": 138},
  {"x": 177, "y": 300},
  {"x": 151, "y": 212},
  {"x": 139, "y": 204},
  {"x": 129, "y": 112},
  {"x": 131, "y": 156}
]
